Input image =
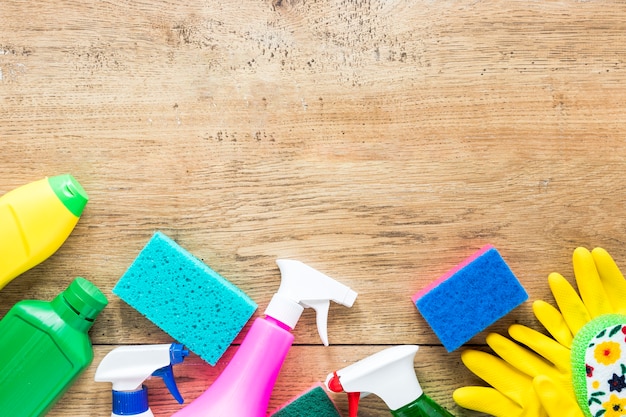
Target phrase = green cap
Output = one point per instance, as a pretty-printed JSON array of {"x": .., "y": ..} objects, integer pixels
[
  {"x": 70, "y": 192},
  {"x": 85, "y": 299}
]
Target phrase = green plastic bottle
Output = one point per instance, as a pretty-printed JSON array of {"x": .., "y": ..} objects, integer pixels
[
  {"x": 423, "y": 406},
  {"x": 45, "y": 346}
]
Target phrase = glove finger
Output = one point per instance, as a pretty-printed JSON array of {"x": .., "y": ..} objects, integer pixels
[
  {"x": 612, "y": 279},
  {"x": 572, "y": 308},
  {"x": 548, "y": 348},
  {"x": 555, "y": 400},
  {"x": 553, "y": 321},
  {"x": 486, "y": 400},
  {"x": 499, "y": 374},
  {"x": 520, "y": 357},
  {"x": 589, "y": 285}
]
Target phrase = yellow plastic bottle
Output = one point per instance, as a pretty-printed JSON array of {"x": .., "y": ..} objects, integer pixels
[{"x": 35, "y": 220}]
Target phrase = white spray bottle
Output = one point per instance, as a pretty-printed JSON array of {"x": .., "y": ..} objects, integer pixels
[
  {"x": 243, "y": 389},
  {"x": 389, "y": 374},
  {"x": 127, "y": 367}
]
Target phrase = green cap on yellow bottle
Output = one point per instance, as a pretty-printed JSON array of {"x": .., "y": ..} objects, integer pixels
[{"x": 70, "y": 192}]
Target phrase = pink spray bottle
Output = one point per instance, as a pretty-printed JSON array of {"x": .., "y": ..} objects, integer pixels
[{"x": 243, "y": 389}]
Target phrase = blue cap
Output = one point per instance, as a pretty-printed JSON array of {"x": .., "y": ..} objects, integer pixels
[
  {"x": 177, "y": 353},
  {"x": 130, "y": 403}
]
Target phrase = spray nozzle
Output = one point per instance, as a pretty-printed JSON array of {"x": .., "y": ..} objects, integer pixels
[
  {"x": 177, "y": 354},
  {"x": 334, "y": 384},
  {"x": 389, "y": 374},
  {"x": 301, "y": 287},
  {"x": 127, "y": 367}
]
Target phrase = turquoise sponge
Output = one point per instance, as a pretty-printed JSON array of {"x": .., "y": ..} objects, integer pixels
[
  {"x": 470, "y": 298},
  {"x": 312, "y": 403},
  {"x": 185, "y": 298}
]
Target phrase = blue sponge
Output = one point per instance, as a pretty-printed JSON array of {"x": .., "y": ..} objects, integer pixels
[
  {"x": 470, "y": 298},
  {"x": 185, "y": 298}
]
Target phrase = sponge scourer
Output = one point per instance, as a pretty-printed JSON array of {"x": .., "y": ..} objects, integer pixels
[
  {"x": 312, "y": 403},
  {"x": 469, "y": 298},
  {"x": 185, "y": 298}
]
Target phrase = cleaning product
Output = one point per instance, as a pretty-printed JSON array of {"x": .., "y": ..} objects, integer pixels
[
  {"x": 311, "y": 403},
  {"x": 44, "y": 347},
  {"x": 390, "y": 375},
  {"x": 127, "y": 367},
  {"x": 35, "y": 220},
  {"x": 243, "y": 389},
  {"x": 185, "y": 298},
  {"x": 470, "y": 297}
]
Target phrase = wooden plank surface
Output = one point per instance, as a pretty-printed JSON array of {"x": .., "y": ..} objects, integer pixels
[{"x": 379, "y": 141}]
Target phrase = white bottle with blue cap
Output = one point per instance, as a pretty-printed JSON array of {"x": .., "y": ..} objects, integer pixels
[{"x": 127, "y": 367}]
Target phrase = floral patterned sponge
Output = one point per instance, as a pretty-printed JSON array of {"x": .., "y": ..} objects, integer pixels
[{"x": 599, "y": 366}]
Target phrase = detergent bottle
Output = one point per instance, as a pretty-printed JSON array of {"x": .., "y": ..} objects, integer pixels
[
  {"x": 243, "y": 389},
  {"x": 127, "y": 367},
  {"x": 35, "y": 220},
  {"x": 390, "y": 375},
  {"x": 45, "y": 346}
]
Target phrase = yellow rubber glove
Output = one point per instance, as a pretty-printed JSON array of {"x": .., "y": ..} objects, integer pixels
[
  {"x": 591, "y": 316},
  {"x": 602, "y": 291},
  {"x": 551, "y": 371},
  {"x": 512, "y": 393},
  {"x": 556, "y": 401},
  {"x": 533, "y": 382}
]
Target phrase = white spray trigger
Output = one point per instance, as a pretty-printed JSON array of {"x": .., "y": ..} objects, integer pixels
[
  {"x": 389, "y": 374},
  {"x": 321, "y": 317},
  {"x": 302, "y": 286},
  {"x": 127, "y": 367}
]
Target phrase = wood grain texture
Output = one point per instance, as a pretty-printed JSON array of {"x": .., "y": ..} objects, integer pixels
[{"x": 381, "y": 142}]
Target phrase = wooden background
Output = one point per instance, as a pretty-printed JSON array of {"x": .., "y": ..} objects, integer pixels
[{"x": 379, "y": 141}]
